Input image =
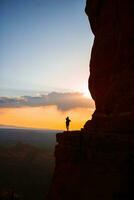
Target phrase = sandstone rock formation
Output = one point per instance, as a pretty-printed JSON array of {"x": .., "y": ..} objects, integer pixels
[
  {"x": 97, "y": 163},
  {"x": 111, "y": 81}
]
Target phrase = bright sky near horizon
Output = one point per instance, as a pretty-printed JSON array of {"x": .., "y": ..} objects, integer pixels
[{"x": 44, "y": 46}]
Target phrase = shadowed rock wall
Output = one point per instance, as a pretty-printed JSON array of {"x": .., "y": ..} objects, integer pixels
[
  {"x": 93, "y": 167},
  {"x": 97, "y": 163},
  {"x": 111, "y": 80}
]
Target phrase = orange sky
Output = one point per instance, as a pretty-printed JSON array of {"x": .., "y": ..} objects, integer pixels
[{"x": 44, "y": 117}]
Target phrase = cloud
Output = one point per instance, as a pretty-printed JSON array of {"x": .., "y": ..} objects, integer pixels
[{"x": 63, "y": 101}]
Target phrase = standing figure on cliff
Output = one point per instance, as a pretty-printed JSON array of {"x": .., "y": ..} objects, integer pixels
[{"x": 67, "y": 123}]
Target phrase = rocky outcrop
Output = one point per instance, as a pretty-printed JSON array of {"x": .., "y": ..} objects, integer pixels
[
  {"x": 97, "y": 162},
  {"x": 93, "y": 167}
]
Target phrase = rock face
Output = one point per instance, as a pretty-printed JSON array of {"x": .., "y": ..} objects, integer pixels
[
  {"x": 97, "y": 162},
  {"x": 93, "y": 167},
  {"x": 111, "y": 80}
]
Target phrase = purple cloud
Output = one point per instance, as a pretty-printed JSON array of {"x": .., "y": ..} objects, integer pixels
[{"x": 63, "y": 101}]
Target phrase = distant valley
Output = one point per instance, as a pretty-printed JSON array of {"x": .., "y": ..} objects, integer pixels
[{"x": 26, "y": 162}]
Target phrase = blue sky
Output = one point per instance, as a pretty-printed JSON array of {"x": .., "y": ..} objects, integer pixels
[{"x": 44, "y": 46}]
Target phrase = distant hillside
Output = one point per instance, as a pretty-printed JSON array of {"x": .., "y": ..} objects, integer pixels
[
  {"x": 25, "y": 169},
  {"x": 41, "y": 138}
]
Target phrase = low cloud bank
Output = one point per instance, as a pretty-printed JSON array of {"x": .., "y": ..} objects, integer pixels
[{"x": 63, "y": 101}]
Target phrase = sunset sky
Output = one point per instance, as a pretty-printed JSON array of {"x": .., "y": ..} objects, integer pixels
[{"x": 44, "y": 56}]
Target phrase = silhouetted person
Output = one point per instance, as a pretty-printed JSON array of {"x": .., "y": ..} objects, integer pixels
[{"x": 67, "y": 123}]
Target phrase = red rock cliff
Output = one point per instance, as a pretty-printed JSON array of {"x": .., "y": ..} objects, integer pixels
[
  {"x": 111, "y": 80},
  {"x": 97, "y": 163}
]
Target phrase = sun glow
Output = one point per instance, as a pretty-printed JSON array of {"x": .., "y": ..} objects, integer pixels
[
  {"x": 86, "y": 92},
  {"x": 44, "y": 117}
]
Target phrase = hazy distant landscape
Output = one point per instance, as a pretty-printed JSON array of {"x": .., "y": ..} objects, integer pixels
[{"x": 26, "y": 162}]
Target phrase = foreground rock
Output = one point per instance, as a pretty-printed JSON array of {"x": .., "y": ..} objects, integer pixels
[
  {"x": 97, "y": 163},
  {"x": 93, "y": 167}
]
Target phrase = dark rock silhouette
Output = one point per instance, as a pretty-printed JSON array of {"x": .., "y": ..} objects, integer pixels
[
  {"x": 111, "y": 78},
  {"x": 97, "y": 162}
]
